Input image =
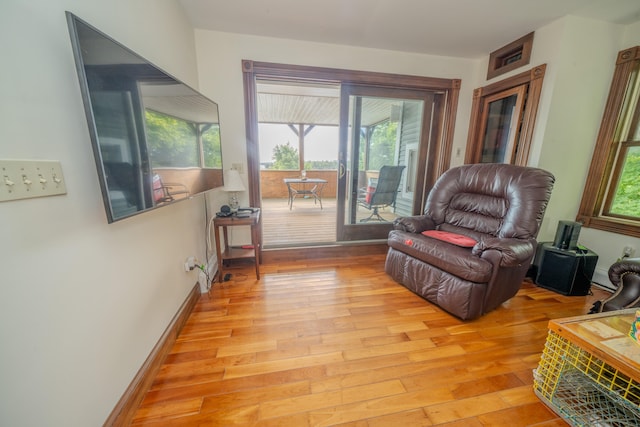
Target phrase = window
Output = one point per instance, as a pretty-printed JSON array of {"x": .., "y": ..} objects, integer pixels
[
  {"x": 611, "y": 198},
  {"x": 501, "y": 125},
  {"x": 503, "y": 116},
  {"x": 378, "y": 145},
  {"x": 514, "y": 55}
]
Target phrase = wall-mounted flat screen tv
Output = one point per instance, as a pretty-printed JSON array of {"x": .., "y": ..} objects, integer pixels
[{"x": 155, "y": 140}]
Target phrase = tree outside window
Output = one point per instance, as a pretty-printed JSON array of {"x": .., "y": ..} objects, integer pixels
[
  {"x": 285, "y": 157},
  {"x": 173, "y": 142},
  {"x": 381, "y": 147},
  {"x": 626, "y": 197}
]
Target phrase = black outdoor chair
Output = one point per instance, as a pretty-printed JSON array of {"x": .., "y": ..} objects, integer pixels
[{"x": 383, "y": 194}]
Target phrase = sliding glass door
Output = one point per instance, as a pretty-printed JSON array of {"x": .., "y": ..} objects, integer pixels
[
  {"x": 381, "y": 134},
  {"x": 386, "y": 121}
]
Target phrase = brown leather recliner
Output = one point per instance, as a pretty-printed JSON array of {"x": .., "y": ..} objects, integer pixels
[
  {"x": 500, "y": 207},
  {"x": 625, "y": 276}
]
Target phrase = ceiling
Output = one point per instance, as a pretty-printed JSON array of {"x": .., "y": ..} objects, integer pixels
[
  {"x": 178, "y": 100},
  {"x": 455, "y": 28},
  {"x": 317, "y": 105}
]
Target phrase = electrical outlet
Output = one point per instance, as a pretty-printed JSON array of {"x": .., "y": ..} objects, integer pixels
[
  {"x": 189, "y": 263},
  {"x": 627, "y": 251}
]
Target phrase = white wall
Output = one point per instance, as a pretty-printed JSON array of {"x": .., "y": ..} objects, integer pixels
[
  {"x": 82, "y": 302},
  {"x": 220, "y": 55},
  {"x": 587, "y": 51},
  {"x": 580, "y": 54},
  {"x": 219, "y": 64}
]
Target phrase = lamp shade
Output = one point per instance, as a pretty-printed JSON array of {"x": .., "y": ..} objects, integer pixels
[{"x": 232, "y": 181}]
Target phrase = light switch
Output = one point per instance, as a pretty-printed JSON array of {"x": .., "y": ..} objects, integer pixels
[{"x": 24, "y": 179}]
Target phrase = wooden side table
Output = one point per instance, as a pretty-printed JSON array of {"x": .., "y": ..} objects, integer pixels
[{"x": 227, "y": 252}]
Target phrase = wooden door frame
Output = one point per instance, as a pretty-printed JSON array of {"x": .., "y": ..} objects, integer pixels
[
  {"x": 520, "y": 92},
  {"x": 533, "y": 79},
  {"x": 254, "y": 70}
]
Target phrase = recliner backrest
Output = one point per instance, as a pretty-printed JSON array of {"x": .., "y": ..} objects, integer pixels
[{"x": 500, "y": 200}]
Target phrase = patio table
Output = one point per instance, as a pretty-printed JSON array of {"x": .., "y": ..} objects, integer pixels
[{"x": 311, "y": 187}]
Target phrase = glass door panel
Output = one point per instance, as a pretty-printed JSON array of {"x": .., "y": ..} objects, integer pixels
[
  {"x": 501, "y": 122},
  {"x": 377, "y": 127}
]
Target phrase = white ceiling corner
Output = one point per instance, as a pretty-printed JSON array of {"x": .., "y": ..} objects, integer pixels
[{"x": 456, "y": 28}]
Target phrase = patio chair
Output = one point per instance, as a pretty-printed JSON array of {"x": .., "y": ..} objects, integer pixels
[
  {"x": 167, "y": 191},
  {"x": 382, "y": 194}
]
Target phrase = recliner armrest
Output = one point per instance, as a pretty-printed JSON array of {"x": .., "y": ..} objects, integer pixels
[
  {"x": 414, "y": 224},
  {"x": 514, "y": 251},
  {"x": 619, "y": 268}
]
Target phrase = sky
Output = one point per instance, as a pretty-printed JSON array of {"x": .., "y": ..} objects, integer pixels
[{"x": 321, "y": 142}]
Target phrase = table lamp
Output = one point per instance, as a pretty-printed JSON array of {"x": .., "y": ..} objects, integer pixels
[{"x": 233, "y": 184}]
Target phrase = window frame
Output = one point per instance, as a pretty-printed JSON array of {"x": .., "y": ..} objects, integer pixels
[
  {"x": 532, "y": 80},
  {"x": 511, "y": 56},
  {"x": 605, "y": 170},
  {"x": 520, "y": 92}
]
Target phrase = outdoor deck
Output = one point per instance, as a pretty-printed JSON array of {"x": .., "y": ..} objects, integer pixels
[{"x": 305, "y": 223}]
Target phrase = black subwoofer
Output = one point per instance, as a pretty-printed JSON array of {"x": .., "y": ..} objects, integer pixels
[{"x": 568, "y": 272}]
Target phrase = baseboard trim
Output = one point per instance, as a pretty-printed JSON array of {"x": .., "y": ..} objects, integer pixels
[
  {"x": 122, "y": 414},
  {"x": 327, "y": 251}
]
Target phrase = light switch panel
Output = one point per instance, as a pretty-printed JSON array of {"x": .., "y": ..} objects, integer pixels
[
  {"x": 238, "y": 167},
  {"x": 24, "y": 179}
]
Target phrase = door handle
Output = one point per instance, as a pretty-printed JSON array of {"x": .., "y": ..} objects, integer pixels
[{"x": 341, "y": 170}]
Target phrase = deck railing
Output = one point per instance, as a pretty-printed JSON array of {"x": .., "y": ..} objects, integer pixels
[{"x": 273, "y": 186}]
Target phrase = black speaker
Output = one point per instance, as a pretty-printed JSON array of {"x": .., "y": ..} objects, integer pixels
[
  {"x": 566, "y": 272},
  {"x": 567, "y": 235},
  {"x": 224, "y": 211}
]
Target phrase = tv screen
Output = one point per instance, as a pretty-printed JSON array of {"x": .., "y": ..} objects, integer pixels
[{"x": 155, "y": 140}]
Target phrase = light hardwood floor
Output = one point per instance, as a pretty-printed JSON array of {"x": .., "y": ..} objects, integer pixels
[{"x": 337, "y": 342}]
